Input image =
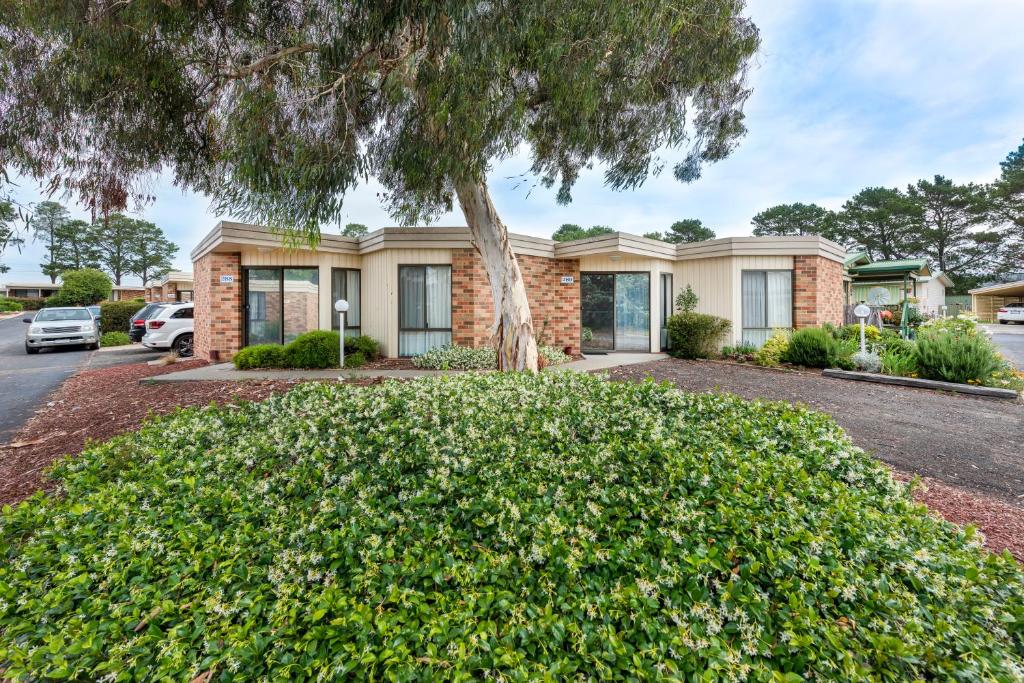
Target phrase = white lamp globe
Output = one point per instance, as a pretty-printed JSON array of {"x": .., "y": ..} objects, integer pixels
[{"x": 341, "y": 306}]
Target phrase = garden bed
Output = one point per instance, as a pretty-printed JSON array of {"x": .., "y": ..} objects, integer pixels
[
  {"x": 918, "y": 383},
  {"x": 503, "y": 525}
]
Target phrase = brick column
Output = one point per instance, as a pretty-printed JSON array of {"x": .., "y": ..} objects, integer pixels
[
  {"x": 817, "y": 291},
  {"x": 472, "y": 305},
  {"x": 218, "y": 306}
]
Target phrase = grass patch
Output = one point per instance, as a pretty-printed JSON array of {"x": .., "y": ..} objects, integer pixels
[
  {"x": 533, "y": 527},
  {"x": 114, "y": 339}
]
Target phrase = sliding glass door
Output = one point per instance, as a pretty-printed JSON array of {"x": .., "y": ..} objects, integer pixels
[
  {"x": 424, "y": 308},
  {"x": 615, "y": 311},
  {"x": 280, "y": 304}
]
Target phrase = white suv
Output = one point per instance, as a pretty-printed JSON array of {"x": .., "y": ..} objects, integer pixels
[
  {"x": 170, "y": 328},
  {"x": 1011, "y": 313}
]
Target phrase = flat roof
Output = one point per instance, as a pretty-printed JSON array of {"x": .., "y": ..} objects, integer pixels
[
  {"x": 33, "y": 285},
  {"x": 229, "y": 235},
  {"x": 1003, "y": 289}
]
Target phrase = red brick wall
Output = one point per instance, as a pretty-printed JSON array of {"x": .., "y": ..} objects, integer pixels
[
  {"x": 555, "y": 307},
  {"x": 218, "y": 307},
  {"x": 817, "y": 291}
]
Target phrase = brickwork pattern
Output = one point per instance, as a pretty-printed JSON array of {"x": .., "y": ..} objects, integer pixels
[
  {"x": 218, "y": 307},
  {"x": 817, "y": 291},
  {"x": 555, "y": 307}
]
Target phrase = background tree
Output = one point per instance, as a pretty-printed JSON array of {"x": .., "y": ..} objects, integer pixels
[
  {"x": 795, "y": 219},
  {"x": 152, "y": 254},
  {"x": 48, "y": 220},
  {"x": 1006, "y": 194},
  {"x": 83, "y": 287},
  {"x": 278, "y": 118},
  {"x": 567, "y": 232},
  {"x": 77, "y": 245},
  {"x": 9, "y": 236},
  {"x": 355, "y": 230},
  {"x": 687, "y": 230},
  {"x": 116, "y": 238},
  {"x": 950, "y": 237},
  {"x": 883, "y": 222}
]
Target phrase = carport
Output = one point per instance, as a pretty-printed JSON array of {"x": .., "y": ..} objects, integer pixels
[{"x": 985, "y": 301}]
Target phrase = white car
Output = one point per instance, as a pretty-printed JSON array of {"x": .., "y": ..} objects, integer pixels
[
  {"x": 64, "y": 326},
  {"x": 170, "y": 328},
  {"x": 1011, "y": 313}
]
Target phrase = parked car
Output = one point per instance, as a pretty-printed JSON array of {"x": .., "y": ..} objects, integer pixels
[
  {"x": 1011, "y": 313},
  {"x": 95, "y": 310},
  {"x": 170, "y": 328},
  {"x": 137, "y": 324},
  {"x": 62, "y": 326}
]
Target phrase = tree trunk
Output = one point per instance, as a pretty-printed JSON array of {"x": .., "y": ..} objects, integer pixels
[{"x": 513, "y": 325}]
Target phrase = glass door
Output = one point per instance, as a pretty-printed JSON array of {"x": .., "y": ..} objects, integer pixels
[
  {"x": 262, "y": 306},
  {"x": 597, "y": 311},
  {"x": 632, "y": 312}
]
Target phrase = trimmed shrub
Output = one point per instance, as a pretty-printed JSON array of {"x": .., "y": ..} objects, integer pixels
[
  {"x": 812, "y": 347},
  {"x": 966, "y": 359},
  {"x": 696, "y": 335},
  {"x": 536, "y": 527},
  {"x": 27, "y": 303},
  {"x": 259, "y": 356},
  {"x": 871, "y": 333},
  {"x": 116, "y": 316},
  {"x": 367, "y": 347},
  {"x": 83, "y": 287},
  {"x": 314, "y": 349},
  {"x": 10, "y": 306},
  {"x": 114, "y": 339},
  {"x": 771, "y": 352}
]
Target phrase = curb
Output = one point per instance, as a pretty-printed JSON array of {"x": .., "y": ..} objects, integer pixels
[{"x": 935, "y": 385}]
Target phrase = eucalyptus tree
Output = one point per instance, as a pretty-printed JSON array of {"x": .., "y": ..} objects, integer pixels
[
  {"x": 9, "y": 235},
  {"x": 279, "y": 108}
]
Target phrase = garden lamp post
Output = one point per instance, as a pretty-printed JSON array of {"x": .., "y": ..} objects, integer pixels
[
  {"x": 341, "y": 306},
  {"x": 862, "y": 311}
]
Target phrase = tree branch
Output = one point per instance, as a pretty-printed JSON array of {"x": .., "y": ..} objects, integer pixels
[{"x": 264, "y": 63}]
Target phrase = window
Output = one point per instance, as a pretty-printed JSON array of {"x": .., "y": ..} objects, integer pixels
[
  {"x": 767, "y": 304},
  {"x": 666, "y": 307},
  {"x": 280, "y": 304},
  {"x": 424, "y": 308},
  {"x": 345, "y": 284},
  {"x": 183, "y": 313}
]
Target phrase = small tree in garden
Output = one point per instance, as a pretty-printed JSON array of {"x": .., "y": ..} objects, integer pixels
[
  {"x": 686, "y": 301},
  {"x": 82, "y": 288},
  {"x": 280, "y": 109},
  {"x": 691, "y": 334}
]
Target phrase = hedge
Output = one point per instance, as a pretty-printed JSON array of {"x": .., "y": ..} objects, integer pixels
[
  {"x": 10, "y": 306},
  {"x": 28, "y": 304},
  {"x": 502, "y": 526},
  {"x": 116, "y": 316},
  {"x": 696, "y": 335},
  {"x": 316, "y": 349}
]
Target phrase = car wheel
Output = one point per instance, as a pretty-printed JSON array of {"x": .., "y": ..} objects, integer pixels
[
  {"x": 1003, "y": 322},
  {"x": 183, "y": 345},
  {"x": 93, "y": 347},
  {"x": 30, "y": 351}
]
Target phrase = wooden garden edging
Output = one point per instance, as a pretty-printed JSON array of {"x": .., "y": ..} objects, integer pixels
[{"x": 990, "y": 392}]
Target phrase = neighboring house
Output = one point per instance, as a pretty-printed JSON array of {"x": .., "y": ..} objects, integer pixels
[
  {"x": 30, "y": 290},
  {"x": 175, "y": 286},
  {"x": 412, "y": 289},
  {"x": 126, "y": 293},
  {"x": 885, "y": 283},
  {"x": 986, "y": 301}
]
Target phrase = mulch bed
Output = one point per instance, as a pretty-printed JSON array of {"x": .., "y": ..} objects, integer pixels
[
  {"x": 99, "y": 404},
  {"x": 389, "y": 364}
]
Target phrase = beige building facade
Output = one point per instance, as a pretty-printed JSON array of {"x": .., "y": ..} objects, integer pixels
[{"x": 415, "y": 288}]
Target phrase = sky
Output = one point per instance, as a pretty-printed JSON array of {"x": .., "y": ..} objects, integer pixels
[{"x": 847, "y": 94}]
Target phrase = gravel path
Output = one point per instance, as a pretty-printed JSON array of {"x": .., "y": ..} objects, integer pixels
[{"x": 973, "y": 443}]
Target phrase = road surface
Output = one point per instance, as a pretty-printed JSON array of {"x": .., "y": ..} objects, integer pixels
[
  {"x": 25, "y": 381},
  {"x": 1010, "y": 340}
]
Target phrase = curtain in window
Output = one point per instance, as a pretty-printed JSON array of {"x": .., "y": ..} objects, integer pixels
[
  {"x": 345, "y": 285},
  {"x": 411, "y": 283},
  {"x": 779, "y": 294},
  {"x": 767, "y": 302},
  {"x": 439, "y": 296},
  {"x": 425, "y": 315}
]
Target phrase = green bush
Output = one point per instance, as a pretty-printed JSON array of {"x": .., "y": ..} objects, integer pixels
[
  {"x": 534, "y": 527},
  {"x": 949, "y": 357},
  {"x": 116, "y": 316},
  {"x": 10, "y": 305},
  {"x": 367, "y": 347},
  {"x": 743, "y": 352},
  {"x": 771, "y": 352},
  {"x": 83, "y": 287},
  {"x": 900, "y": 362},
  {"x": 452, "y": 357},
  {"x": 313, "y": 349},
  {"x": 696, "y": 335},
  {"x": 871, "y": 333},
  {"x": 27, "y": 304},
  {"x": 114, "y": 339},
  {"x": 812, "y": 347},
  {"x": 259, "y": 356}
]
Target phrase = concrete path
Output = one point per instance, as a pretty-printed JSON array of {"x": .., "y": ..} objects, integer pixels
[{"x": 227, "y": 371}]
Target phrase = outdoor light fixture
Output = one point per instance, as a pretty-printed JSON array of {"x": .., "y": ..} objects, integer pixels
[{"x": 341, "y": 306}]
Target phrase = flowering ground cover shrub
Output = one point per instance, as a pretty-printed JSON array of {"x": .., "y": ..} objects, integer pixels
[
  {"x": 503, "y": 526},
  {"x": 452, "y": 357}
]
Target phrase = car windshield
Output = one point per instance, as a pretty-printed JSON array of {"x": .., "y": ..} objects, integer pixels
[{"x": 51, "y": 314}]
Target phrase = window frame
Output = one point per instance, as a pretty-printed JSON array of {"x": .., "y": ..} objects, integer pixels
[
  {"x": 666, "y": 305},
  {"x": 615, "y": 287},
  {"x": 426, "y": 317},
  {"x": 792, "y": 298},
  {"x": 334, "y": 314},
  {"x": 280, "y": 289}
]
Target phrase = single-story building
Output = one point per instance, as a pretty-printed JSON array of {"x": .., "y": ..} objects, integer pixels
[
  {"x": 885, "y": 283},
  {"x": 174, "y": 286},
  {"x": 412, "y": 289},
  {"x": 36, "y": 290},
  {"x": 986, "y": 301}
]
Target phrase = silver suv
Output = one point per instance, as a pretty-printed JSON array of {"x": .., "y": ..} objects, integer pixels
[{"x": 71, "y": 326}]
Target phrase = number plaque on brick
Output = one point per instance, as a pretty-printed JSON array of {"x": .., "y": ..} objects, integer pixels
[
  {"x": 568, "y": 279},
  {"x": 227, "y": 279}
]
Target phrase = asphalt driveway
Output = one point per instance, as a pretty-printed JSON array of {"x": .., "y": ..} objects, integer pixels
[
  {"x": 26, "y": 380},
  {"x": 1010, "y": 340},
  {"x": 974, "y": 443}
]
